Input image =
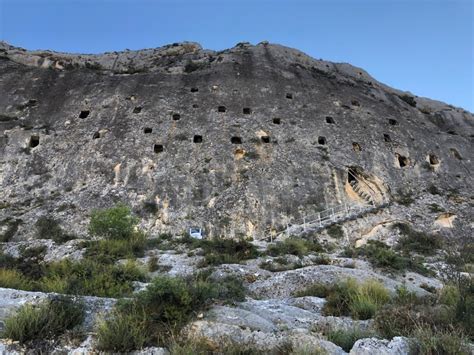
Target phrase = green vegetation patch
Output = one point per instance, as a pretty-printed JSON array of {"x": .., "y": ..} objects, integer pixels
[
  {"x": 222, "y": 251},
  {"x": 295, "y": 246},
  {"x": 153, "y": 316},
  {"x": 359, "y": 300},
  {"x": 417, "y": 241},
  {"x": 47, "y": 320},
  {"x": 49, "y": 228},
  {"x": 381, "y": 255}
]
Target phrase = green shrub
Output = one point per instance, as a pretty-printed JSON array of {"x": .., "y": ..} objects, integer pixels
[
  {"x": 360, "y": 300},
  {"x": 122, "y": 332},
  {"x": 49, "y": 228},
  {"x": 294, "y": 246},
  {"x": 45, "y": 321},
  {"x": 225, "y": 251},
  {"x": 368, "y": 298},
  {"x": 14, "y": 279},
  {"x": 346, "y": 338},
  {"x": 429, "y": 341},
  {"x": 417, "y": 241},
  {"x": 381, "y": 255},
  {"x": 335, "y": 231},
  {"x": 113, "y": 223},
  {"x": 162, "y": 310},
  {"x": 88, "y": 277},
  {"x": 110, "y": 250}
]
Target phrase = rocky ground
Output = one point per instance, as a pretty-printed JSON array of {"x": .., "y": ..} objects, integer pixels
[{"x": 274, "y": 314}]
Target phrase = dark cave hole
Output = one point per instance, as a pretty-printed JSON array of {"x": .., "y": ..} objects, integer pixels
[
  {"x": 433, "y": 159},
  {"x": 265, "y": 139},
  {"x": 197, "y": 139},
  {"x": 194, "y": 89},
  {"x": 158, "y": 148},
  {"x": 402, "y": 161},
  {"x": 34, "y": 141},
  {"x": 137, "y": 109},
  {"x": 276, "y": 121},
  {"x": 176, "y": 116},
  {"x": 236, "y": 140},
  {"x": 289, "y": 95},
  {"x": 330, "y": 120},
  {"x": 147, "y": 130},
  {"x": 392, "y": 122},
  {"x": 322, "y": 140},
  {"x": 84, "y": 114},
  {"x": 96, "y": 135},
  {"x": 247, "y": 111},
  {"x": 221, "y": 109},
  {"x": 386, "y": 138}
]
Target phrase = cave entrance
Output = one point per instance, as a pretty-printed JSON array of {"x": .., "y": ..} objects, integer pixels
[
  {"x": 34, "y": 141},
  {"x": 147, "y": 130},
  {"x": 247, "y": 111},
  {"x": 84, "y": 114},
  {"x": 433, "y": 159},
  {"x": 330, "y": 120},
  {"x": 276, "y": 120},
  {"x": 197, "y": 139},
  {"x": 236, "y": 140},
  {"x": 158, "y": 148},
  {"x": 221, "y": 109},
  {"x": 265, "y": 139},
  {"x": 176, "y": 116},
  {"x": 402, "y": 161},
  {"x": 322, "y": 140}
]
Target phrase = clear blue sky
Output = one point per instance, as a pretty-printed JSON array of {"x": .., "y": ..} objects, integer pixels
[{"x": 424, "y": 46}]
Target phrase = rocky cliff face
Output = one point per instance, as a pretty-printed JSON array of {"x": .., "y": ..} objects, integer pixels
[{"x": 239, "y": 142}]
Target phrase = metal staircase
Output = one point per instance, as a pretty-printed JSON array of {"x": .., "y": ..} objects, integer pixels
[{"x": 336, "y": 214}]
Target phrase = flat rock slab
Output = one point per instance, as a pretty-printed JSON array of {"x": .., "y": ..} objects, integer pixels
[
  {"x": 287, "y": 283},
  {"x": 277, "y": 315},
  {"x": 216, "y": 333},
  {"x": 370, "y": 346}
]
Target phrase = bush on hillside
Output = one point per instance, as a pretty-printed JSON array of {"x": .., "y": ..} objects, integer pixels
[
  {"x": 113, "y": 223},
  {"x": 47, "y": 320}
]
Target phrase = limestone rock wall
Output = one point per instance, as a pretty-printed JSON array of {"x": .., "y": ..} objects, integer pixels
[{"x": 238, "y": 142}]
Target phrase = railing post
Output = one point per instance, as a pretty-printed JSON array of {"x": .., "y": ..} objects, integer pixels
[{"x": 319, "y": 217}]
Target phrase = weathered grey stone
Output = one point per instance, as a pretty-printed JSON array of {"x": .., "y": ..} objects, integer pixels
[
  {"x": 55, "y": 161},
  {"x": 218, "y": 333},
  {"x": 286, "y": 283},
  {"x": 370, "y": 346},
  {"x": 281, "y": 315}
]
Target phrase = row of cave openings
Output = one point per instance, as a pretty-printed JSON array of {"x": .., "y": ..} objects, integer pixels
[{"x": 402, "y": 161}]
